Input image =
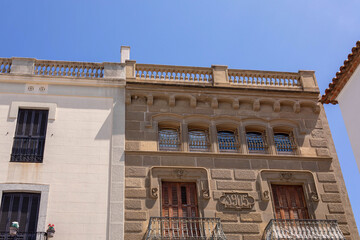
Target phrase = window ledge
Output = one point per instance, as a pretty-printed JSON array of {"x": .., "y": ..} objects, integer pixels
[{"x": 228, "y": 154}]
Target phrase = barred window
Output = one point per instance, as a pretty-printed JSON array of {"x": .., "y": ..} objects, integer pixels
[
  {"x": 198, "y": 140},
  {"x": 284, "y": 143},
  {"x": 256, "y": 142},
  {"x": 169, "y": 139},
  {"x": 29, "y": 140},
  {"x": 227, "y": 141}
]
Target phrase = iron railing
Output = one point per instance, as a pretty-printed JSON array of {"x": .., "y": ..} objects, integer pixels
[
  {"x": 169, "y": 140},
  {"x": 256, "y": 142},
  {"x": 303, "y": 229},
  {"x": 24, "y": 236},
  {"x": 284, "y": 143},
  {"x": 199, "y": 140},
  {"x": 28, "y": 149},
  {"x": 184, "y": 229},
  {"x": 227, "y": 141}
]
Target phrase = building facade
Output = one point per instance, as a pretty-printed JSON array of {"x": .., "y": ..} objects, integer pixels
[
  {"x": 140, "y": 151},
  {"x": 222, "y": 152},
  {"x": 62, "y": 147},
  {"x": 343, "y": 90}
]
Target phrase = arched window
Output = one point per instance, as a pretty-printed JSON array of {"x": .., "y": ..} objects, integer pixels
[
  {"x": 256, "y": 142},
  {"x": 227, "y": 141},
  {"x": 284, "y": 143},
  {"x": 169, "y": 139},
  {"x": 199, "y": 140}
]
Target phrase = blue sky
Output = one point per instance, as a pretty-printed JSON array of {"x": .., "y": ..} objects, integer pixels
[{"x": 281, "y": 35}]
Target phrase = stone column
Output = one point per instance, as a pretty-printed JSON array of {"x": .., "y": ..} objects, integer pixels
[
  {"x": 242, "y": 138},
  {"x": 220, "y": 75},
  {"x": 22, "y": 65},
  {"x": 184, "y": 137},
  {"x": 213, "y": 138},
  {"x": 308, "y": 81},
  {"x": 117, "y": 168}
]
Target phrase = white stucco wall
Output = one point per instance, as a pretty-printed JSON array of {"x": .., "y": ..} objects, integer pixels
[
  {"x": 349, "y": 101},
  {"x": 77, "y": 156}
]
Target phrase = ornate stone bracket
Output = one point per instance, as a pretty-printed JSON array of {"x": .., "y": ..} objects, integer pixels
[
  {"x": 268, "y": 176},
  {"x": 167, "y": 173}
]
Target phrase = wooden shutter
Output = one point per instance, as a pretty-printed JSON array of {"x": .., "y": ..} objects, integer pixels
[
  {"x": 179, "y": 199},
  {"x": 289, "y": 202}
]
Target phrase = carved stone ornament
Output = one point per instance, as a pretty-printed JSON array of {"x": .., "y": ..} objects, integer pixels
[
  {"x": 179, "y": 172},
  {"x": 314, "y": 196},
  {"x": 205, "y": 194},
  {"x": 154, "y": 192},
  {"x": 266, "y": 195},
  {"x": 287, "y": 176},
  {"x": 237, "y": 201}
]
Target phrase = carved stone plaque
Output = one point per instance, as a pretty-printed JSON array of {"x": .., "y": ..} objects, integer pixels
[{"x": 237, "y": 201}]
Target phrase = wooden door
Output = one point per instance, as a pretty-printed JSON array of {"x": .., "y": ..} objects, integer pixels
[
  {"x": 289, "y": 202},
  {"x": 179, "y": 200}
]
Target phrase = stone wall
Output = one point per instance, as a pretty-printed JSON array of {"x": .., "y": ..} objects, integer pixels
[{"x": 315, "y": 165}]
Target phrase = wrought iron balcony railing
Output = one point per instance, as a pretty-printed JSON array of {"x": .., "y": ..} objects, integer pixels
[
  {"x": 184, "y": 229},
  {"x": 24, "y": 236},
  {"x": 303, "y": 229}
]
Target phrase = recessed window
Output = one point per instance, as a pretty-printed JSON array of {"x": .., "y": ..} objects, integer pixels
[
  {"x": 198, "y": 140},
  {"x": 22, "y": 208},
  {"x": 256, "y": 142},
  {"x": 169, "y": 139},
  {"x": 227, "y": 141},
  {"x": 29, "y": 140},
  {"x": 284, "y": 143}
]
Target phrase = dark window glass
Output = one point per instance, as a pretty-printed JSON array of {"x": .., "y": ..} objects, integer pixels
[
  {"x": 169, "y": 140},
  {"x": 227, "y": 141},
  {"x": 283, "y": 143},
  {"x": 255, "y": 142},
  {"x": 29, "y": 140},
  {"x": 198, "y": 140},
  {"x": 22, "y": 208}
]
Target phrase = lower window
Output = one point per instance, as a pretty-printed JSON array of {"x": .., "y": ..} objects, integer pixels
[
  {"x": 22, "y": 208},
  {"x": 289, "y": 202}
]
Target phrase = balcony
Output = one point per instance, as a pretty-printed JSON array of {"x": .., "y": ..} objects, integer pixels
[
  {"x": 24, "y": 236},
  {"x": 184, "y": 228},
  {"x": 303, "y": 229}
]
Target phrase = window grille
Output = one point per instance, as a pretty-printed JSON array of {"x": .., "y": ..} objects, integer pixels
[
  {"x": 29, "y": 140},
  {"x": 227, "y": 141},
  {"x": 284, "y": 143},
  {"x": 169, "y": 140},
  {"x": 22, "y": 208},
  {"x": 198, "y": 140},
  {"x": 256, "y": 142}
]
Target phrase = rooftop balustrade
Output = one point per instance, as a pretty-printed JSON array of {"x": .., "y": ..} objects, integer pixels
[
  {"x": 264, "y": 78},
  {"x": 69, "y": 69},
  {"x": 184, "y": 229},
  {"x": 152, "y": 72},
  {"x": 5, "y": 65},
  {"x": 164, "y": 74},
  {"x": 303, "y": 229}
]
